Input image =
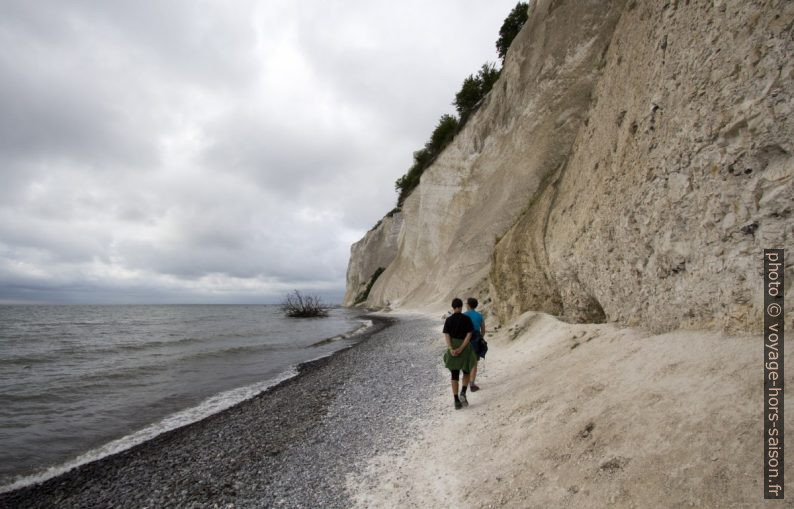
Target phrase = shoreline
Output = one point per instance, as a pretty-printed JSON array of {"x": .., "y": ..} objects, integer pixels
[
  {"x": 206, "y": 408},
  {"x": 70, "y": 481},
  {"x": 562, "y": 418}
]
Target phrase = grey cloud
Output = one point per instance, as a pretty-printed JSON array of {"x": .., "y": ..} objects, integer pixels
[
  {"x": 40, "y": 240},
  {"x": 278, "y": 158},
  {"x": 193, "y": 152}
]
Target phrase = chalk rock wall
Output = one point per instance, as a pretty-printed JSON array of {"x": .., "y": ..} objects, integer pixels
[
  {"x": 681, "y": 177},
  {"x": 376, "y": 250},
  {"x": 486, "y": 176},
  {"x": 631, "y": 163}
]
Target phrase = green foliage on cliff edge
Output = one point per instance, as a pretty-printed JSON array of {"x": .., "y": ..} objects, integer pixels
[
  {"x": 474, "y": 90},
  {"x": 510, "y": 28},
  {"x": 442, "y": 135},
  {"x": 467, "y": 100},
  {"x": 388, "y": 214}
]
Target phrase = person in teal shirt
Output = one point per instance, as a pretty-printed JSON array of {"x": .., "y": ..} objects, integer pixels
[{"x": 476, "y": 339}]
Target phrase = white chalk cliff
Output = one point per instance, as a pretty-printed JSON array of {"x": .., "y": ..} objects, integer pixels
[
  {"x": 370, "y": 255},
  {"x": 630, "y": 165}
]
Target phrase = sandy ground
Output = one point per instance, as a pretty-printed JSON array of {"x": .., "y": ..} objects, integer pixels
[{"x": 593, "y": 415}]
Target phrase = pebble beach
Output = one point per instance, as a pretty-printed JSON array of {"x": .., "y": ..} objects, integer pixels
[{"x": 291, "y": 446}]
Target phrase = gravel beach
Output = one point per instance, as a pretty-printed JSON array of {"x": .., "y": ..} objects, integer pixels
[{"x": 291, "y": 446}]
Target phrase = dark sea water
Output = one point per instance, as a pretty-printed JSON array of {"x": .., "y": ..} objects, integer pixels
[{"x": 81, "y": 382}]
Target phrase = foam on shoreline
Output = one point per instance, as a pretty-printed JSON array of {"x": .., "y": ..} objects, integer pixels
[
  {"x": 366, "y": 324},
  {"x": 210, "y": 406}
]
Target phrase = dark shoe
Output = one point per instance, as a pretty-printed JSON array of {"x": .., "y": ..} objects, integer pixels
[
  {"x": 458, "y": 404},
  {"x": 474, "y": 387},
  {"x": 463, "y": 400}
]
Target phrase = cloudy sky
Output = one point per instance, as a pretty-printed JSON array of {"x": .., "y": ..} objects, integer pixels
[{"x": 228, "y": 151}]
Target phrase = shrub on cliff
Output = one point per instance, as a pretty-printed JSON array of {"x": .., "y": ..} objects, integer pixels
[
  {"x": 442, "y": 135},
  {"x": 405, "y": 184},
  {"x": 474, "y": 88},
  {"x": 445, "y": 130},
  {"x": 510, "y": 28},
  {"x": 468, "y": 96},
  {"x": 488, "y": 75},
  {"x": 388, "y": 214},
  {"x": 297, "y": 305}
]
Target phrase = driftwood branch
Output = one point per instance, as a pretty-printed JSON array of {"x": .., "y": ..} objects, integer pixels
[{"x": 297, "y": 305}]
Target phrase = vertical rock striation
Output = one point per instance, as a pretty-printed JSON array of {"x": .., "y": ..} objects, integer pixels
[
  {"x": 523, "y": 131},
  {"x": 375, "y": 251},
  {"x": 681, "y": 177},
  {"x": 631, "y": 164}
]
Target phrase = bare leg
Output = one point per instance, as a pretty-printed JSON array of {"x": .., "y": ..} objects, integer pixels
[
  {"x": 474, "y": 371},
  {"x": 465, "y": 381},
  {"x": 455, "y": 387}
]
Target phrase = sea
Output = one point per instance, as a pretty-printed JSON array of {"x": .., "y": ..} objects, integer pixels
[{"x": 78, "y": 383}]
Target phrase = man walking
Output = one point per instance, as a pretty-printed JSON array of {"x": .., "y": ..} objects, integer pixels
[
  {"x": 459, "y": 356},
  {"x": 478, "y": 321}
]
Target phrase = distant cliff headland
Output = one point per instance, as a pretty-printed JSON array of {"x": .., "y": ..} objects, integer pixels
[{"x": 629, "y": 162}]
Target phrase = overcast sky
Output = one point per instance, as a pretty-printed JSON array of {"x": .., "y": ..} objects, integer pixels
[{"x": 195, "y": 151}]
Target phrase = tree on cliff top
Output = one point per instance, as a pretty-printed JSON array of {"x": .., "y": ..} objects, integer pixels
[
  {"x": 473, "y": 90},
  {"x": 475, "y": 87},
  {"x": 442, "y": 135},
  {"x": 510, "y": 28},
  {"x": 468, "y": 96},
  {"x": 445, "y": 130}
]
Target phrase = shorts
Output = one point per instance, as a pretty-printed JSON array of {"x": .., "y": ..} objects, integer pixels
[{"x": 456, "y": 374}]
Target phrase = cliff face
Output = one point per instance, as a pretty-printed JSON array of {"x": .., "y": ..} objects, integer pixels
[
  {"x": 679, "y": 180},
  {"x": 485, "y": 177},
  {"x": 631, "y": 164},
  {"x": 375, "y": 251}
]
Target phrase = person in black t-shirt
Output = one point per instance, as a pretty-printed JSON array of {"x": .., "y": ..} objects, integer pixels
[{"x": 459, "y": 356}]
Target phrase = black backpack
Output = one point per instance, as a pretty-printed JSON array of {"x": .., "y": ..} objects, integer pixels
[{"x": 482, "y": 347}]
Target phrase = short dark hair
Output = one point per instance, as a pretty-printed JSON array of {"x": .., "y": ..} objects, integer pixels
[
  {"x": 457, "y": 303},
  {"x": 472, "y": 302}
]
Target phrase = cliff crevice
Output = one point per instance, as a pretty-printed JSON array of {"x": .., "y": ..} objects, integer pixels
[{"x": 631, "y": 164}]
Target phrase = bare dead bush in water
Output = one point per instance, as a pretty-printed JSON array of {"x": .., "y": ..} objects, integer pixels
[{"x": 297, "y": 305}]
